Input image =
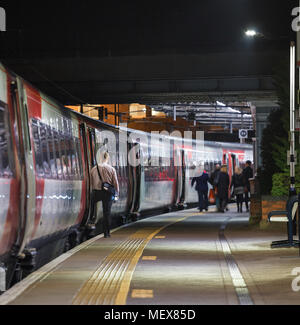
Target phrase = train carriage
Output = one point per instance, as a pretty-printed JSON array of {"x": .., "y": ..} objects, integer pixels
[{"x": 46, "y": 155}]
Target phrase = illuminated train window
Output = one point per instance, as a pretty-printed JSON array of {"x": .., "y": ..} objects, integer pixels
[
  {"x": 57, "y": 154},
  {"x": 6, "y": 152}
]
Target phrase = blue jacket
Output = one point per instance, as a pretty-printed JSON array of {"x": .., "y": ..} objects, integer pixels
[{"x": 201, "y": 182}]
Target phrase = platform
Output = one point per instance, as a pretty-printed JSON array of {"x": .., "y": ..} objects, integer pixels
[{"x": 179, "y": 258}]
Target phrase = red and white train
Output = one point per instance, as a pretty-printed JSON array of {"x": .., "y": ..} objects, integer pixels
[{"x": 46, "y": 154}]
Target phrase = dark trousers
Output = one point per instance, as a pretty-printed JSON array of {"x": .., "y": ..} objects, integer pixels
[
  {"x": 105, "y": 197},
  {"x": 223, "y": 203},
  {"x": 239, "y": 201},
  {"x": 247, "y": 199},
  {"x": 203, "y": 200}
]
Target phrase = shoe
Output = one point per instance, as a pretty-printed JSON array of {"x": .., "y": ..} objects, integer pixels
[{"x": 106, "y": 235}]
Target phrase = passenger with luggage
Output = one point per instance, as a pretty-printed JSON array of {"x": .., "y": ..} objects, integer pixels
[{"x": 105, "y": 188}]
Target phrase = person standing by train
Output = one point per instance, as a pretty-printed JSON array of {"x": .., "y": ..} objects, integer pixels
[
  {"x": 247, "y": 173},
  {"x": 222, "y": 188},
  {"x": 100, "y": 174},
  {"x": 238, "y": 184},
  {"x": 202, "y": 189}
]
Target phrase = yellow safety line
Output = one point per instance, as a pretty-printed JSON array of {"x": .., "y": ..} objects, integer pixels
[
  {"x": 110, "y": 283},
  {"x": 141, "y": 293},
  {"x": 149, "y": 258},
  {"x": 125, "y": 285}
]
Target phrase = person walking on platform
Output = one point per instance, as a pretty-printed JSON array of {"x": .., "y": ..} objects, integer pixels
[
  {"x": 102, "y": 174},
  {"x": 247, "y": 173},
  {"x": 202, "y": 189},
  {"x": 238, "y": 184},
  {"x": 214, "y": 179},
  {"x": 222, "y": 188}
]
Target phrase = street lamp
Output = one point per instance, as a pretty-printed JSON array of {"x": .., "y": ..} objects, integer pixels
[
  {"x": 253, "y": 33},
  {"x": 250, "y": 33}
]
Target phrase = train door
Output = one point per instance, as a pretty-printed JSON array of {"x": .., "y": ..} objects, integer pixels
[
  {"x": 132, "y": 182},
  {"x": 28, "y": 177},
  {"x": 92, "y": 161},
  {"x": 85, "y": 151},
  {"x": 139, "y": 179},
  {"x": 178, "y": 162},
  {"x": 10, "y": 159},
  {"x": 183, "y": 173},
  {"x": 185, "y": 177}
]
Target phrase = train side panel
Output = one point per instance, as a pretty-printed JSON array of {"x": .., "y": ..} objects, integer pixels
[
  {"x": 57, "y": 166},
  {"x": 9, "y": 166}
]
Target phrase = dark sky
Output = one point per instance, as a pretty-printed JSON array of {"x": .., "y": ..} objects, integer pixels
[{"x": 136, "y": 26}]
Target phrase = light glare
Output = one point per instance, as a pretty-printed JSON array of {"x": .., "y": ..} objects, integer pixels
[{"x": 250, "y": 33}]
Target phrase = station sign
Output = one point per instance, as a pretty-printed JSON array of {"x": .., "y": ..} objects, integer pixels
[{"x": 243, "y": 134}]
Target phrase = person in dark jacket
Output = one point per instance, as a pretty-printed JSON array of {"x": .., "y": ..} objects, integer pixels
[
  {"x": 223, "y": 187},
  {"x": 214, "y": 178},
  {"x": 238, "y": 184},
  {"x": 202, "y": 189},
  {"x": 247, "y": 173}
]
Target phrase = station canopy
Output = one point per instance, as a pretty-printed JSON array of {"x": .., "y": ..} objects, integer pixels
[{"x": 232, "y": 116}]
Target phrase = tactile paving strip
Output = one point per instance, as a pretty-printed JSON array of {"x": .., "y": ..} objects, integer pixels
[{"x": 109, "y": 284}]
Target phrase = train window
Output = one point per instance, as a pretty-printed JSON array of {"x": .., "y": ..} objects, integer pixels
[
  {"x": 75, "y": 163},
  {"x": 79, "y": 157},
  {"x": 70, "y": 154},
  {"x": 52, "y": 153},
  {"x": 37, "y": 148},
  {"x": 57, "y": 154},
  {"x": 45, "y": 150},
  {"x": 64, "y": 156},
  {"x": 6, "y": 155}
]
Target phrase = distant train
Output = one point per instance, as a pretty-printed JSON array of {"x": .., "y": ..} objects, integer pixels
[{"x": 46, "y": 155}]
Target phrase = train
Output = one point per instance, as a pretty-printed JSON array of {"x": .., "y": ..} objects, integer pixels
[{"x": 46, "y": 155}]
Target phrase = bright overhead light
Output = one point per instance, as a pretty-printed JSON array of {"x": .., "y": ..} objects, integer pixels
[{"x": 251, "y": 33}]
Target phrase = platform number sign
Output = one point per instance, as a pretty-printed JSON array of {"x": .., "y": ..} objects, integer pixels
[{"x": 243, "y": 134}]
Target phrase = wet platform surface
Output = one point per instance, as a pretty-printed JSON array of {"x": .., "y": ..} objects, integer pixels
[{"x": 178, "y": 258}]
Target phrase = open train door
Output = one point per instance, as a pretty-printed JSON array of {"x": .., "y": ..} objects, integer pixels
[
  {"x": 180, "y": 177},
  {"x": 86, "y": 153},
  {"x": 138, "y": 176},
  {"x": 185, "y": 178}
]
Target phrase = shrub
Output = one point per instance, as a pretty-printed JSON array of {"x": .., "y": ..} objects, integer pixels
[{"x": 281, "y": 182}]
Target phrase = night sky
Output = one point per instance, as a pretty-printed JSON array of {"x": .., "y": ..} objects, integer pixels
[{"x": 88, "y": 28}]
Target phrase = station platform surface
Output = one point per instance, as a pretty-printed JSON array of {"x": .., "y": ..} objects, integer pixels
[{"x": 179, "y": 258}]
